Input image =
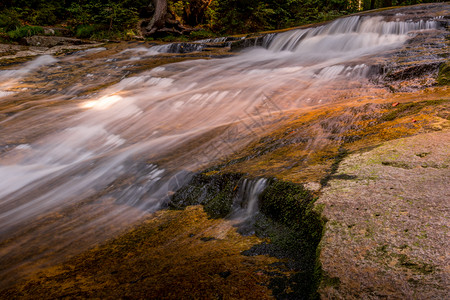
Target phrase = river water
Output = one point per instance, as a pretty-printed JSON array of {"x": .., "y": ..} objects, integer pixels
[{"x": 77, "y": 168}]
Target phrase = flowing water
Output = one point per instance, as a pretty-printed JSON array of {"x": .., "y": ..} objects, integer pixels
[{"x": 76, "y": 170}]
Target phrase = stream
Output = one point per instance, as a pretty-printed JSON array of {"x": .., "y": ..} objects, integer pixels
[{"x": 80, "y": 163}]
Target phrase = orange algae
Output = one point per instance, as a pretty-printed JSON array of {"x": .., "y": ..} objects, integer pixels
[{"x": 170, "y": 254}]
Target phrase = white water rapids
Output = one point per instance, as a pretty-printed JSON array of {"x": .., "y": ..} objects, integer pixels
[{"x": 122, "y": 152}]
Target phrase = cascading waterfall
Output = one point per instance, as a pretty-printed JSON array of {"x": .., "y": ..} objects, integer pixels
[
  {"x": 119, "y": 153},
  {"x": 245, "y": 205},
  {"x": 352, "y": 35}
]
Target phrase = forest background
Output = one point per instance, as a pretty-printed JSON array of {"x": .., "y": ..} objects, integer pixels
[{"x": 183, "y": 19}]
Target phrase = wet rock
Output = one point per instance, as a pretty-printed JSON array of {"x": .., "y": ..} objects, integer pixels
[
  {"x": 145, "y": 263},
  {"x": 50, "y": 41},
  {"x": 419, "y": 69},
  {"x": 49, "y": 31},
  {"x": 246, "y": 43}
]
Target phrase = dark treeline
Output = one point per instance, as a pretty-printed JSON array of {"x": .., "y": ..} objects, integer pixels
[{"x": 100, "y": 18}]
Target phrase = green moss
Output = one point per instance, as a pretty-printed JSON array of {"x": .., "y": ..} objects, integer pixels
[
  {"x": 411, "y": 108},
  {"x": 296, "y": 234},
  {"x": 444, "y": 74},
  {"x": 396, "y": 164},
  {"x": 286, "y": 203},
  {"x": 330, "y": 281},
  {"x": 288, "y": 218},
  {"x": 201, "y": 34},
  {"x": 215, "y": 192},
  {"x": 419, "y": 267}
]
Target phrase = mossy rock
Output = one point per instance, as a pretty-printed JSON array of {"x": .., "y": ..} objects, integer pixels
[
  {"x": 215, "y": 192},
  {"x": 411, "y": 108},
  {"x": 444, "y": 74},
  {"x": 287, "y": 218},
  {"x": 295, "y": 229}
]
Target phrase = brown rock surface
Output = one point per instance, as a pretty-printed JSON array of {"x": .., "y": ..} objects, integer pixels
[
  {"x": 387, "y": 232},
  {"x": 51, "y": 41},
  {"x": 171, "y": 255}
]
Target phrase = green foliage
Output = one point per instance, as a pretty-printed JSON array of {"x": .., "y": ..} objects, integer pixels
[
  {"x": 80, "y": 14},
  {"x": 25, "y": 31},
  {"x": 177, "y": 8},
  {"x": 113, "y": 18},
  {"x": 110, "y": 15},
  {"x": 45, "y": 15},
  {"x": 372, "y": 4},
  {"x": 85, "y": 31},
  {"x": 233, "y": 16},
  {"x": 9, "y": 19}
]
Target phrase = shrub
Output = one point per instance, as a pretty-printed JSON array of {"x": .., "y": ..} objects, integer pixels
[
  {"x": 85, "y": 31},
  {"x": 9, "y": 20},
  {"x": 46, "y": 15},
  {"x": 25, "y": 31}
]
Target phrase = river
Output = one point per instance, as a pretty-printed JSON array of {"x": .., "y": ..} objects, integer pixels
[{"x": 79, "y": 164}]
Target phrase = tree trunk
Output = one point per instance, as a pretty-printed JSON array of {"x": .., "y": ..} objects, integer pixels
[
  {"x": 194, "y": 11},
  {"x": 159, "y": 17},
  {"x": 162, "y": 22}
]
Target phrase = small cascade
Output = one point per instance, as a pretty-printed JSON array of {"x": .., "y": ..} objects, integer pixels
[
  {"x": 245, "y": 204},
  {"x": 214, "y": 40},
  {"x": 267, "y": 39},
  {"x": 347, "y": 34},
  {"x": 220, "y": 41},
  {"x": 178, "y": 48}
]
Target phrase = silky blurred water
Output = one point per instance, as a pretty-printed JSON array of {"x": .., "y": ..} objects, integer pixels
[{"x": 122, "y": 152}]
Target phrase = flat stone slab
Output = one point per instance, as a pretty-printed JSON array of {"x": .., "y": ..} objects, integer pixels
[
  {"x": 51, "y": 41},
  {"x": 387, "y": 234}
]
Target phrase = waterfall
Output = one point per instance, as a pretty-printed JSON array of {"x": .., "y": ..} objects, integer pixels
[
  {"x": 119, "y": 152},
  {"x": 178, "y": 48},
  {"x": 348, "y": 34},
  {"x": 245, "y": 205}
]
